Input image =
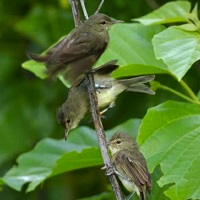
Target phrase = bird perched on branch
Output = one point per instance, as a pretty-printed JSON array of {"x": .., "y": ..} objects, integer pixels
[
  {"x": 77, "y": 52},
  {"x": 73, "y": 110},
  {"x": 129, "y": 164}
]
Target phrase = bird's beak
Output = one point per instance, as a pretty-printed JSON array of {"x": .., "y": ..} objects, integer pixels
[
  {"x": 66, "y": 134},
  {"x": 117, "y": 21}
]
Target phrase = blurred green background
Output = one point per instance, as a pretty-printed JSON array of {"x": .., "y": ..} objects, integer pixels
[{"x": 28, "y": 104}]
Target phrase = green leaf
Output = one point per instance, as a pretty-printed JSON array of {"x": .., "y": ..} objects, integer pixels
[
  {"x": 34, "y": 166},
  {"x": 69, "y": 161},
  {"x": 177, "y": 11},
  {"x": 131, "y": 44},
  {"x": 39, "y": 163},
  {"x": 37, "y": 68},
  {"x": 170, "y": 137},
  {"x": 178, "y": 49},
  {"x": 189, "y": 27},
  {"x": 51, "y": 157},
  {"x": 157, "y": 192},
  {"x": 137, "y": 69}
]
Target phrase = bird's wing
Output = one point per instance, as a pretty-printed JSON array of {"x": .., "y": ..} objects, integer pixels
[
  {"x": 70, "y": 48},
  {"x": 106, "y": 68},
  {"x": 134, "y": 170}
]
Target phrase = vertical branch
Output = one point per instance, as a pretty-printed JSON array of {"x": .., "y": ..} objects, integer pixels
[
  {"x": 96, "y": 116},
  {"x": 102, "y": 137},
  {"x": 75, "y": 12}
]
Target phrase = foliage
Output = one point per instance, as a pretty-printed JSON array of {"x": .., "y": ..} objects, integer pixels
[
  {"x": 169, "y": 132},
  {"x": 175, "y": 138}
]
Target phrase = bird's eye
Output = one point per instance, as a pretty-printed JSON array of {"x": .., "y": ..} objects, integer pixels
[
  {"x": 118, "y": 141},
  {"x": 103, "y": 22},
  {"x": 68, "y": 121}
]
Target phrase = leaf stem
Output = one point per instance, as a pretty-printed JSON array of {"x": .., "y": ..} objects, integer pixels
[
  {"x": 189, "y": 91},
  {"x": 164, "y": 87}
]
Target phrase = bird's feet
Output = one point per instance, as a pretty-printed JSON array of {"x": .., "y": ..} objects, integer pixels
[{"x": 109, "y": 170}]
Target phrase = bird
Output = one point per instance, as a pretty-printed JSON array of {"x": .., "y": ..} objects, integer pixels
[
  {"x": 76, "y": 53},
  {"x": 77, "y": 105},
  {"x": 129, "y": 164}
]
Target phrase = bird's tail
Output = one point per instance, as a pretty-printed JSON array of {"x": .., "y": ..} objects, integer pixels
[
  {"x": 137, "y": 84},
  {"x": 142, "y": 196},
  {"x": 37, "y": 57},
  {"x": 53, "y": 67}
]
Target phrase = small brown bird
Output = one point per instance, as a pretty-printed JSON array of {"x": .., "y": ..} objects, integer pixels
[
  {"x": 73, "y": 110},
  {"x": 129, "y": 164},
  {"x": 76, "y": 53}
]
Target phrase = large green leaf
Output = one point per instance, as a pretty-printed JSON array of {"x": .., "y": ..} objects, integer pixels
[
  {"x": 178, "y": 48},
  {"x": 170, "y": 136},
  {"x": 38, "y": 164},
  {"x": 177, "y": 11},
  {"x": 51, "y": 157},
  {"x": 137, "y": 69},
  {"x": 131, "y": 44}
]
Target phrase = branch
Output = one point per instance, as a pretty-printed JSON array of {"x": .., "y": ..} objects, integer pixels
[
  {"x": 96, "y": 116},
  {"x": 102, "y": 137},
  {"x": 75, "y": 12}
]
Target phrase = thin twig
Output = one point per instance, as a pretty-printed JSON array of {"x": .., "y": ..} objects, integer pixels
[
  {"x": 99, "y": 7},
  {"x": 102, "y": 137},
  {"x": 97, "y": 118},
  {"x": 84, "y": 9}
]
